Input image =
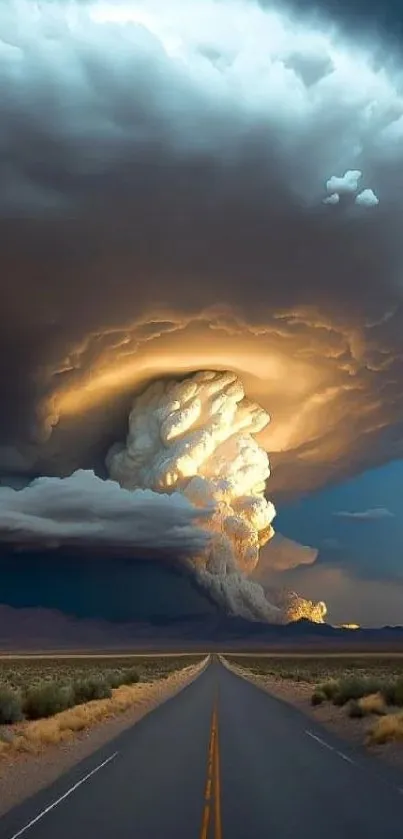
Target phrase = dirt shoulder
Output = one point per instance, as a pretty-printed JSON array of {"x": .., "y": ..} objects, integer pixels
[
  {"x": 22, "y": 774},
  {"x": 333, "y": 718}
]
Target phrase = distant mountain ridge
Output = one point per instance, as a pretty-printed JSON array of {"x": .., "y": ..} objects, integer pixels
[{"x": 30, "y": 630}]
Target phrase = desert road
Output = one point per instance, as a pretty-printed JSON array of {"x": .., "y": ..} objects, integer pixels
[{"x": 221, "y": 760}]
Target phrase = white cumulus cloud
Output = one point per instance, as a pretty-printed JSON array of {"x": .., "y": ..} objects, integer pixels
[
  {"x": 367, "y": 198},
  {"x": 345, "y": 184},
  {"x": 197, "y": 437},
  {"x": 332, "y": 199}
]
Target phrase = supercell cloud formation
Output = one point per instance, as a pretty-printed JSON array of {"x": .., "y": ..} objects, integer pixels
[
  {"x": 190, "y": 480},
  {"x": 197, "y": 186},
  {"x": 196, "y": 437}
]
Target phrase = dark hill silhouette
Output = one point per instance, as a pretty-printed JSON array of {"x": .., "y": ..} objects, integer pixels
[{"x": 44, "y": 629}]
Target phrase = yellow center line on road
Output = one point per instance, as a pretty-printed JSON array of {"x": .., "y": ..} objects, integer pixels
[
  {"x": 212, "y": 789},
  {"x": 217, "y": 787}
]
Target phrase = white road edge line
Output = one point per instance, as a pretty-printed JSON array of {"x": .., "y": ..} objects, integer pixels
[
  {"x": 327, "y": 746},
  {"x": 314, "y": 737},
  {"x": 62, "y": 797},
  {"x": 346, "y": 757}
]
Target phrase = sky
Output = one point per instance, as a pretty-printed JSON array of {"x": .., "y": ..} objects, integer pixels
[
  {"x": 358, "y": 529},
  {"x": 215, "y": 189}
]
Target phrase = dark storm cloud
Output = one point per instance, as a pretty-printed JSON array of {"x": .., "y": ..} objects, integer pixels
[
  {"x": 112, "y": 588},
  {"x": 85, "y": 510},
  {"x": 147, "y": 178}
]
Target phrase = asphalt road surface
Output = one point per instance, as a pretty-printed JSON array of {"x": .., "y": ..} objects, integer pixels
[{"x": 222, "y": 760}]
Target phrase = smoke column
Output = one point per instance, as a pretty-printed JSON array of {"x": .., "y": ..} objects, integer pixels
[{"x": 196, "y": 437}]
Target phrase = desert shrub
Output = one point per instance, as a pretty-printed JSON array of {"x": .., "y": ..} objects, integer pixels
[
  {"x": 10, "y": 706},
  {"x": 374, "y": 703},
  {"x": 318, "y": 697},
  {"x": 131, "y": 676},
  {"x": 354, "y": 687},
  {"x": 355, "y": 711},
  {"x": 386, "y": 729},
  {"x": 330, "y": 688},
  {"x": 388, "y": 691},
  {"x": 115, "y": 679},
  {"x": 349, "y": 688},
  {"x": 47, "y": 699},
  {"x": 398, "y": 693},
  {"x": 95, "y": 687},
  {"x": 393, "y": 692}
]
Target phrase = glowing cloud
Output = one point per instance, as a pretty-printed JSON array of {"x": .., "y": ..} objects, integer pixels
[
  {"x": 189, "y": 482},
  {"x": 229, "y": 118},
  {"x": 196, "y": 437}
]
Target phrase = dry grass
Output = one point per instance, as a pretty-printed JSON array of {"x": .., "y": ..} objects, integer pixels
[
  {"x": 387, "y": 729},
  {"x": 372, "y": 704},
  {"x": 33, "y": 736}
]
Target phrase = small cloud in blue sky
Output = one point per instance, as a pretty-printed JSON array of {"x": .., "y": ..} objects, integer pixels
[
  {"x": 373, "y": 514},
  {"x": 346, "y": 184},
  {"x": 367, "y": 198}
]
